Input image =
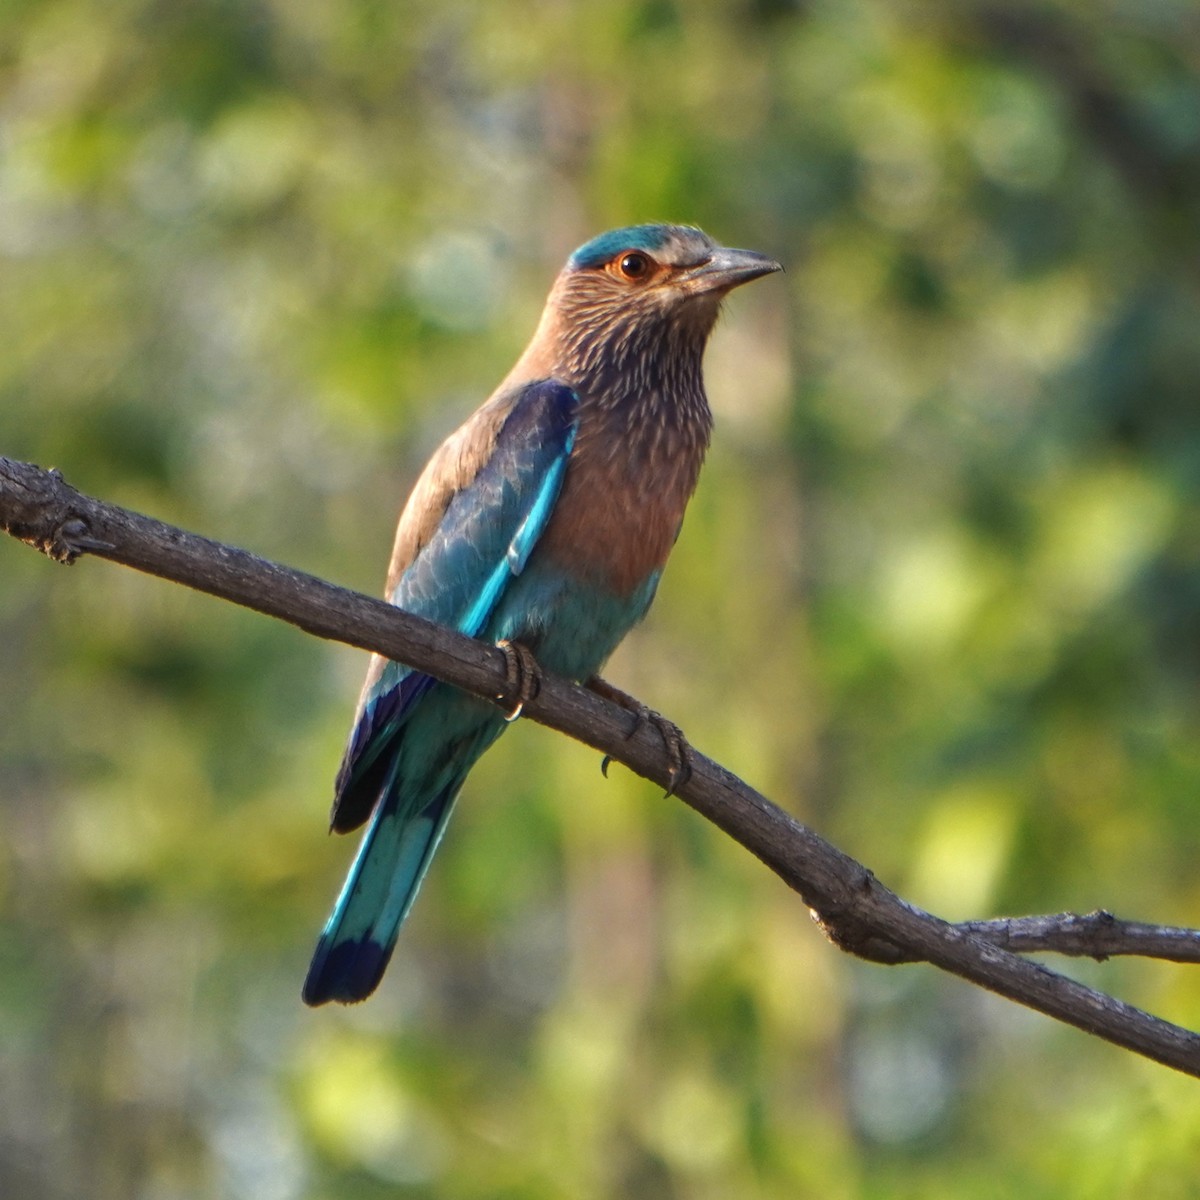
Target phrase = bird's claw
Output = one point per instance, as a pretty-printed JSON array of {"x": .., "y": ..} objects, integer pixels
[
  {"x": 522, "y": 676},
  {"x": 679, "y": 750}
]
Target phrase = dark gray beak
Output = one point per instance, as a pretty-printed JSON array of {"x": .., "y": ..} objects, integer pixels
[{"x": 729, "y": 268}]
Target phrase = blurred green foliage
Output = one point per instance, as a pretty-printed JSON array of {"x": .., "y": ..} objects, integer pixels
[{"x": 939, "y": 593}]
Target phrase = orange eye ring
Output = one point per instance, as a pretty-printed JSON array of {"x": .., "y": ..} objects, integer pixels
[{"x": 633, "y": 265}]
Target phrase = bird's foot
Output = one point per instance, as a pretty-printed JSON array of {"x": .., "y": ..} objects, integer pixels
[
  {"x": 522, "y": 676},
  {"x": 679, "y": 751}
]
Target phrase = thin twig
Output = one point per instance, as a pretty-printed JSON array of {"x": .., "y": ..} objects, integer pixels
[
  {"x": 856, "y": 911},
  {"x": 1097, "y": 935}
]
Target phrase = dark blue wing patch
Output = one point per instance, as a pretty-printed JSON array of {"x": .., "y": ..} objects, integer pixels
[{"x": 484, "y": 539}]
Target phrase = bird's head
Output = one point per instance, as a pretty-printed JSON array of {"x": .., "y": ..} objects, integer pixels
[
  {"x": 664, "y": 271},
  {"x": 636, "y": 289}
]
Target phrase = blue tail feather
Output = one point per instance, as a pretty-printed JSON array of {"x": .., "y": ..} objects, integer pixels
[{"x": 383, "y": 882}]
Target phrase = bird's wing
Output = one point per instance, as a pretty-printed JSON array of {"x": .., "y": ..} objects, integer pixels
[{"x": 474, "y": 517}]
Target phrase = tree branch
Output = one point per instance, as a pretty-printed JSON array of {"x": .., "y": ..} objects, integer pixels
[
  {"x": 1097, "y": 935},
  {"x": 856, "y": 911}
]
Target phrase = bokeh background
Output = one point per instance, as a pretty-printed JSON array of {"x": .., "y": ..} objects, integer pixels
[{"x": 938, "y": 595}]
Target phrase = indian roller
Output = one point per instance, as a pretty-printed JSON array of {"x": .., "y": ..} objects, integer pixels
[{"x": 543, "y": 525}]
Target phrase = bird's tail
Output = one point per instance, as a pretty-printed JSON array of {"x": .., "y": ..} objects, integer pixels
[{"x": 392, "y": 859}]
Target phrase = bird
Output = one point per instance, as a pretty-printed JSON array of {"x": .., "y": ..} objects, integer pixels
[{"x": 542, "y": 525}]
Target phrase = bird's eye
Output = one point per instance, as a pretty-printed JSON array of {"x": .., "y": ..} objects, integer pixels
[{"x": 634, "y": 265}]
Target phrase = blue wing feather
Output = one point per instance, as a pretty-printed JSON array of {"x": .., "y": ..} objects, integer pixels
[
  {"x": 535, "y": 520},
  {"x": 406, "y": 775},
  {"x": 490, "y": 527},
  {"x": 483, "y": 540}
]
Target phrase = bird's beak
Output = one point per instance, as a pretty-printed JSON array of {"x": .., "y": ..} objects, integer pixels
[{"x": 727, "y": 269}]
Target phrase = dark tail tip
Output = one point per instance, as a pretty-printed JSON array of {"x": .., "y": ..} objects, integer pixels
[{"x": 344, "y": 971}]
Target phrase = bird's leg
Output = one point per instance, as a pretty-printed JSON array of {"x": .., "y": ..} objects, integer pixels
[
  {"x": 679, "y": 752},
  {"x": 522, "y": 676}
]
